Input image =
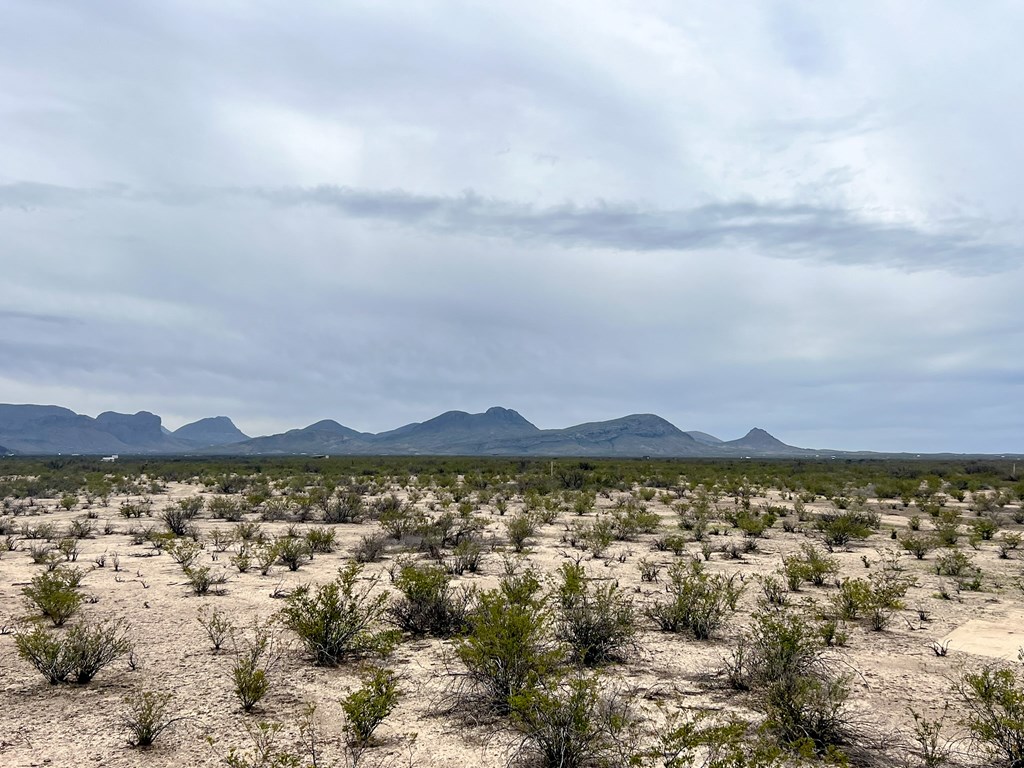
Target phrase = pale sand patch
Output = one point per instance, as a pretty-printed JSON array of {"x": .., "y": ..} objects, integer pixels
[{"x": 998, "y": 639}]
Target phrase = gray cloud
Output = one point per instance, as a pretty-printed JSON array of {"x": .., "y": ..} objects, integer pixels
[
  {"x": 796, "y": 216},
  {"x": 796, "y": 231}
]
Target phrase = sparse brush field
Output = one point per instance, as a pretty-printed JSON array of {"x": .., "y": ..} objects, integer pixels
[{"x": 488, "y": 612}]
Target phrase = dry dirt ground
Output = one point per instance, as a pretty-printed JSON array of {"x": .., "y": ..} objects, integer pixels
[{"x": 40, "y": 724}]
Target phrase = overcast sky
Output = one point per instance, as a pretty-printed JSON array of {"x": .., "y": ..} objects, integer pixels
[{"x": 801, "y": 216}]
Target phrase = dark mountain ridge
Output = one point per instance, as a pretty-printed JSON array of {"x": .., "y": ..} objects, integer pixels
[{"x": 47, "y": 430}]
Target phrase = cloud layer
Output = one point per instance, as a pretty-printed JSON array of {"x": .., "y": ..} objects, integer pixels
[{"x": 792, "y": 216}]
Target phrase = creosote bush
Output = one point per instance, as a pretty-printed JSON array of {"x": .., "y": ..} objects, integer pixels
[
  {"x": 810, "y": 565},
  {"x": 700, "y": 739},
  {"x": 256, "y": 655},
  {"x": 370, "y": 548},
  {"x": 338, "y": 620},
  {"x": 203, "y": 580},
  {"x": 292, "y": 552},
  {"x": 218, "y": 627},
  {"x": 510, "y": 646},
  {"x": 698, "y": 602},
  {"x": 596, "y": 621},
  {"x": 368, "y": 706},
  {"x": 320, "y": 539},
  {"x": 428, "y": 604},
  {"x": 994, "y": 698},
  {"x": 79, "y": 652},
  {"x": 840, "y": 528},
  {"x": 782, "y": 662},
  {"x": 55, "y": 594},
  {"x": 571, "y": 722},
  {"x": 146, "y": 716},
  {"x": 520, "y": 528}
]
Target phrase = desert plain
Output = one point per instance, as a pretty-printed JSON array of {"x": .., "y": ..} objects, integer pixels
[{"x": 939, "y": 628}]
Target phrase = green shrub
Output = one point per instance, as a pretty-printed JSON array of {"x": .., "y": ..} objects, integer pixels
[
  {"x": 698, "y": 602},
  {"x": 840, "y": 528},
  {"x": 69, "y": 548},
  {"x": 599, "y": 535},
  {"x": 852, "y": 599},
  {"x": 466, "y": 556},
  {"x": 255, "y": 658},
  {"x": 178, "y": 517},
  {"x": 370, "y": 548},
  {"x": 226, "y": 508},
  {"x": 203, "y": 580},
  {"x": 184, "y": 551},
  {"x": 79, "y": 652},
  {"x": 396, "y": 519},
  {"x": 320, "y": 540},
  {"x": 46, "y": 652},
  {"x": 368, "y": 706},
  {"x": 94, "y": 646},
  {"x": 754, "y": 526},
  {"x": 954, "y": 563},
  {"x": 648, "y": 569},
  {"x": 596, "y": 621},
  {"x": 146, "y": 716},
  {"x": 781, "y": 662},
  {"x": 918, "y": 546},
  {"x": 428, "y": 604},
  {"x": 81, "y": 529},
  {"x": 994, "y": 698},
  {"x": 292, "y": 552},
  {"x": 985, "y": 527},
  {"x": 810, "y": 565},
  {"x": 773, "y": 591},
  {"x": 217, "y": 627},
  {"x": 509, "y": 648},
  {"x": 55, "y": 594},
  {"x": 1007, "y": 543},
  {"x": 337, "y": 620},
  {"x": 345, "y": 509},
  {"x": 572, "y": 723},
  {"x": 519, "y": 528},
  {"x": 250, "y": 532},
  {"x": 697, "y": 740},
  {"x": 631, "y": 518},
  {"x": 266, "y": 555},
  {"x": 947, "y": 528}
]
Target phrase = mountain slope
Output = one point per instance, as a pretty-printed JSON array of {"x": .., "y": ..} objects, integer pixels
[
  {"x": 759, "y": 441},
  {"x": 323, "y": 437},
  {"x": 639, "y": 434},
  {"x": 705, "y": 438},
  {"x": 216, "y": 430},
  {"x": 455, "y": 432},
  {"x": 35, "y": 429}
]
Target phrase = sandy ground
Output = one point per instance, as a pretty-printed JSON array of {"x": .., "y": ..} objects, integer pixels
[{"x": 41, "y": 724}]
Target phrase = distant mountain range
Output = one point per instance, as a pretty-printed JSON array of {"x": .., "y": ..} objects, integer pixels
[{"x": 51, "y": 430}]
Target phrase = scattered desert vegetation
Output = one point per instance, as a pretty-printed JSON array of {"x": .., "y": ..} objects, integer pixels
[{"x": 273, "y": 612}]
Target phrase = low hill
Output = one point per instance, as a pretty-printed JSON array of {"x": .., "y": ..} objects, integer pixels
[
  {"x": 759, "y": 441},
  {"x": 323, "y": 437},
  {"x": 216, "y": 430},
  {"x": 456, "y": 431}
]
